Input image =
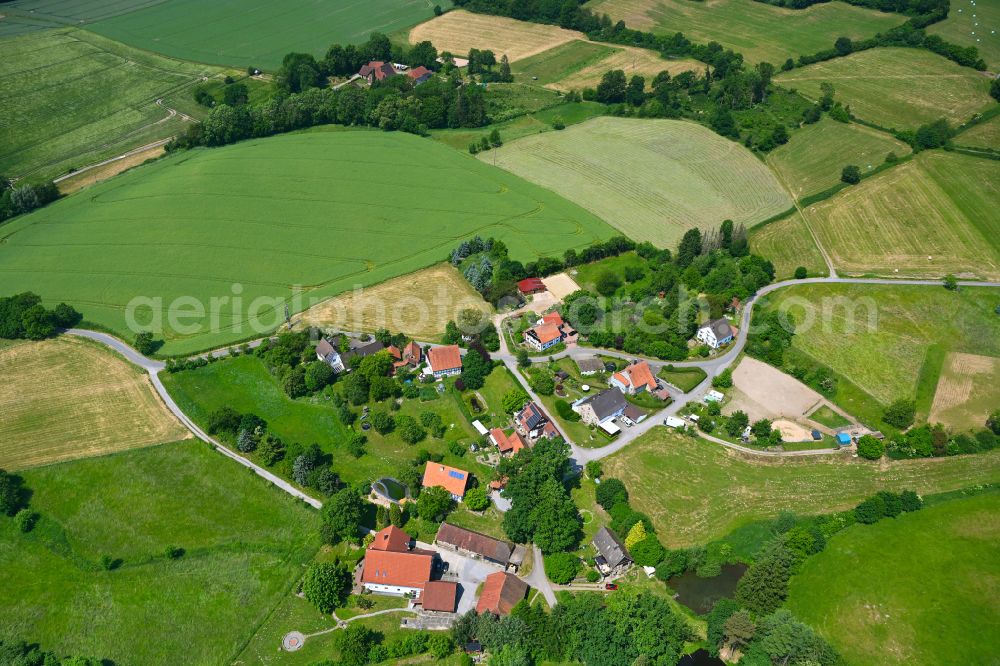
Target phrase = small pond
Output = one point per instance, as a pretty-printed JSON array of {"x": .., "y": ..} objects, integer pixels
[
  {"x": 700, "y": 658},
  {"x": 391, "y": 489},
  {"x": 476, "y": 407},
  {"x": 699, "y": 594}
]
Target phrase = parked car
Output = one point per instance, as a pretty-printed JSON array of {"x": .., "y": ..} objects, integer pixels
[{"x": 610, "y": 586}]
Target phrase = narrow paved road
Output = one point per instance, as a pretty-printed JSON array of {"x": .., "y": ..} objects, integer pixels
[{"x": 537, "y": 578}]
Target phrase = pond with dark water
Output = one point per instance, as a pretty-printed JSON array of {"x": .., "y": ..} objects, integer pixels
[
  {"x": 389, "y": 488},
  {"x": 700, "y": 594}
]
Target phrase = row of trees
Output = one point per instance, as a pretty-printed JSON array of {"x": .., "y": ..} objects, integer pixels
[
  {"x": 19, "y": 198},
  {"x": 22, "y": 316}
]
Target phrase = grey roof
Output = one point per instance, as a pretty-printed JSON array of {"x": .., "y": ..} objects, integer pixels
[
  {"x": 606, "y": 403},
  {"x": 610, "y": 547},
  {"x": 532, "y": 416},
  {"x": 324, "y": 348},
  {"x": 360, "y": 349},
  {"x": 633, "y": 413},
  {"x": 488, "y": 547},
  {"x": 590, "y": 364},
  {"x": 721, "y": 329}
]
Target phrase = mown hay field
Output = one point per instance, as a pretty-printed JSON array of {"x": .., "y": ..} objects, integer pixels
[
  {"x": 651, "y": 179},
  {"x": 458, "y": 31},
  {"x": 419, "y": 304},
  {"x": 319, "y": 212},
  {"x": 923, "y": 588},
  {"x": 878, "y": 336},
  {"x": 245, "y": 544},
  {"x": 983, "y": 135},
  {"x": 933, "y": 215},
  {"x": 69, "y": 398},
  {"x": 696, "y": 491},
  {"x": 972, "y": 23},
  {"x": 896, "y": 87},
  {"x": 238, "y": 33},
  {"x": 577, "y": 65},
  {"x": 814, "y": 157},
  {"x": 757, "y": 30},
  {"x": 788, "y": 244},
  {"x": 72, "y": 97},
  {"x": 968, "y": 391}
]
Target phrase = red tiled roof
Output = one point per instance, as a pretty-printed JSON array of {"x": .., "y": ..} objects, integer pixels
[
  {"x": 498, "y": 484},
  {"x": 439, "y": 595},
  {"x": 391, "y": 538},
  {"x": 504, "y": 442},
  {"x": 546, "y": 332},
  {"x": 403, "y": 569},
  {"x": 501, "y": 592},
  {"x": 637, "y": 375},
  {"x": 447, "y": 357},
  {"x": 418, "y": 72},
  {"x": 531, "y": 285},
  {"x": 553, "y": 318},
  {"x": 450, "y": 478},
  {"x": 412, "y": 351},
  {"x": 379, "y": 68},
  {"x": 394, "y": 352}
]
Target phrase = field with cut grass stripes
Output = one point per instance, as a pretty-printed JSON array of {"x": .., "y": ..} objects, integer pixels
[
  {"x": 72, "y": 98},
  {"x": 759, "y": 31},
  {"x": 896, "y": 87},
  {"x": 972, "y": 23},
  {"x": 321, "y": 211},
  {"x": 788, "y": 244},
  {"x": 933, "y": 215},
  {"x": 651, "y": 179}
]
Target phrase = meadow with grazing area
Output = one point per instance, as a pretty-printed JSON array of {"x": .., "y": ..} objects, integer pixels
[
  {"x": 759, "y": 31},
  {"x": 72, "y": 98},
  {"x": 238, "y": 33},
  {"x": 922, "y": 588},
  {"x": 878, "y": 336},
  {"x": 244, "y": 545},
  {"x": 967, "y": 391},
  {"x": 418, "y": 305},
  {"x": 983, "y": 135},
  {"x": 696, "y": 491},
  {"x": 578, "y": 64},
  {"x": 265, "y": 217},
  {"x": 787, "y": 244},
  {"x": 931, "y": 216},
  {"x": 458, "y": 31},
  {"x": 971, "y": 23},
  {"x": 815, "y": 155},
  {"x": 70, "y": 398},
  {"x": 651, "y": 179},
  {"x": 896, "y": 87}
]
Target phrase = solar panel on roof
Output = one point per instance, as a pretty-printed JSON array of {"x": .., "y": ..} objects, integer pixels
[{"x": 456, "y": 475}]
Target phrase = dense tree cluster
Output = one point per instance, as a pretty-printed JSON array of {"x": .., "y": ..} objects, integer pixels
[
  {"x": 13, "y": 494},
  {"x": 22, "y": 316},
  {"x": 929, "y": 440},
  {"x": 326, "y": 585},
  {"x": 18, "y": 198},
  {"x": 885, "y": 504},
  {"x": 19, "y": 653}
]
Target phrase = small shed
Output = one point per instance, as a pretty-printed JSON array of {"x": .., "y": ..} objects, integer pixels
[
  {"x": 843, "y": 439},
  {"x": 531, "y": 286},
  {"x": 480, "y": 428},
  {"x": 817, "y": 435}
]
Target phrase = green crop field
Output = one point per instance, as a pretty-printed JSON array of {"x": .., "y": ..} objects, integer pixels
[
  {"x": 788, "y": 244},
  {"x": 757, "y": 30},
  {"x": 696, "y": 491},
  {"x": 972, "y": 23},
  {"x": 923, "y": 588},
  {"x": 245, "y": 543},
  {"x": 879, "y": 336},
  {"x": 652, "y": 179},
  {"x": 238, "y": 33},
  {"x": 324, "y": 210},
  {"x": 896, "y": 87},
  {"x": 561, "y": 61},
  {"x": 931, "y": 216},
  {"x": 815, "y": 155},
  {"x": 72, "y": 98}
]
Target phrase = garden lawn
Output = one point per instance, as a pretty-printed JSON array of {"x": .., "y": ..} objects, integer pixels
[
  {"x": 896, "y": 87},
  {"x": 245, "y": 543},
  {"x": 72, "y": 98},
  {"x": 651, "y": 179},
  {"x": 814, "y": 157},
  {"x": 270, "y": 219},
  {"x": 928, "y": 217},
  {"x": 686, "y": 379},
  {"x": 696, "y": 491},
  {"x": 788, "y": 244},
  {"x": 757, "y": 30},
  {"x": 879, "y": 336},
  {"x": 923, "y": 588}
]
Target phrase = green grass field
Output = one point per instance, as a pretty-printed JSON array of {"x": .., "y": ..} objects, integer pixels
[
  {"x": 561, "y": 61},
  {"x": 896, "y": 87},
  {"x": 983, "y": 135},
  {"x": 324, "y": 210},
  {"x": 879, "y": 336},
  {"x": 814, "y": 157},
  {"x": 696, "y": 491},
  {"x": 238, "y": 33},
  {"x": 918, "y": 589},
  {"x": 652, "y": 179},
  {"x": 570, "y": 113},
  {"x": 757, "y": 30},
  {"x": 245, "y": 544},
  {"x": 931, "y": 216},
  {"x": 686, "y": 379},
  {"x": 972, "y": 23},
  {"x": 788, "y": 244},
  {"x": 72, "y": 98}
]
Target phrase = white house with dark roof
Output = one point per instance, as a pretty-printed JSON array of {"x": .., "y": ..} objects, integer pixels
[
  {"x": 716, "y": 333},
  {"x": 602, "y": 407}
]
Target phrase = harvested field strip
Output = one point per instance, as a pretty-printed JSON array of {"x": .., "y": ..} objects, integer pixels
[
  {"x": 896, "y": 87},
  {"x": 967, "y": 391},
  {"x": 652, "y": 179},
  {"x": 788, "y": 244},
  {"x": 68, "y": 398}
]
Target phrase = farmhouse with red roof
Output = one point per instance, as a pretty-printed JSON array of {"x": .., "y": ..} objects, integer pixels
[
  {"x": 392, "y": 566},
  {"x": 635, "y": 378},
  {"x": 452, "y": 479},
  {"x": 444, "y": 361}
]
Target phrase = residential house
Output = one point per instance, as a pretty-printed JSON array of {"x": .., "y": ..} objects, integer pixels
[
  {"x": 444, "y": 361},
  {"x": 450, "y": 478},
  {"x": 393, "y": 566},
  {"x": 409, "y": 356},
  {"x": 633, "y": 415},
  {"x": 612, "y": 558},
  {"x": 531, "y": 286},
  {"x": 716, "y": 333},
  {"x": 589, "y": 365},
  {"x": 330, "y": 352},
  {"x": 376, "y": 70},
  {"x": 602, "y": 407},
  {"x": 500, "y": 594},
  {"x": 508, "y": 445},
  {"x": 419, "y": 75},
  {"x": 635, "y": 378},
  {"x": 543, "y": 336},
  {"x": 533, "y": 423},
  {"x": 478, "y": 546},
  {"x": 440, "y": 596}
]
